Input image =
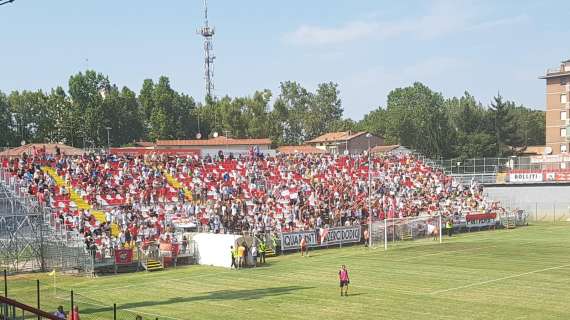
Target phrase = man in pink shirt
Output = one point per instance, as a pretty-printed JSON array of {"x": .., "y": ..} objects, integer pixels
[{"x": 344, "y": 280}]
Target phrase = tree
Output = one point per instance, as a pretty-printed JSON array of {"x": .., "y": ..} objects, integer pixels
[
  {"x": 504, "y": 127},
  {"x": 6, "y": 134},
  {"x": 60, "y": 113},
  {"x": 376, "y": 122},
  {"x": 529, "y": 125},
  {"x": 87, "y": 92},
  {"x": 417, "y": 119},
  {"x": 325, "y": 109},
  {"x": 29, "y": 112},
  {"x": 469, "y": 120}
]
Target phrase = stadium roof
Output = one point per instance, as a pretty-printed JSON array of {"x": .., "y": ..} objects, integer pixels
[
  {"x": 50, "y": 149},
  {"x": 219, "y": 141},
  {"x": 337, "y": 136},
  {"x": 299, "y": 149}
]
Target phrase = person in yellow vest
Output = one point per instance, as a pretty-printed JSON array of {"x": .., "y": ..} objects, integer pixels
[
  {"x": 262, "y": 249},
  {"x": 274, "y": 243},
  {"x": 449, "y": 227},
  {"x": 234, "y": 253}
]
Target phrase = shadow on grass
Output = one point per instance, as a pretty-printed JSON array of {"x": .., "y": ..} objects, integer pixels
[
  {"x": 249, "y": 294},
  {"x": 356, "y": 294}
]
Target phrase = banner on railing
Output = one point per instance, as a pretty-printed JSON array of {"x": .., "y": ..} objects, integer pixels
[
  {"x": 481, "y": 220},
  {"x": 341, "y": 235},
  {"x": 123, "y": 256},
  {"x": 332, "y": 236}
]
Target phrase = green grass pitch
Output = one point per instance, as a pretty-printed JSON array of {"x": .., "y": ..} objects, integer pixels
[{"x": 522, "y": 273}]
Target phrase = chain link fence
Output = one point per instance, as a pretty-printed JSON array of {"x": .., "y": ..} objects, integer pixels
[{"x": 48, "y": 296}]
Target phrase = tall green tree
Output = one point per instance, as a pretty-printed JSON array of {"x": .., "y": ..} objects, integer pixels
[
  {"x": 417, "y": 118},
  {"x": 504, "y": 127},
  {"x": 470, "y": 122},
  {"x": 376, "y": 122},
  {"x": 6, "y": 133},
  {"x": 87, "y": 92}
]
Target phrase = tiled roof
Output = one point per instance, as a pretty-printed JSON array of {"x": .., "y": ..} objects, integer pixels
[
  {"x": 219, "y": 141},
  {"x": 144, "y": 143},
  {"x": 337, "y": 136},
  {"x": 50, "y": 148},
  {"x": 299, "y": 149}
]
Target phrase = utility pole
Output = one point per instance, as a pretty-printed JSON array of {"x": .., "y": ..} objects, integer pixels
[{"x": 108, "y": 139}]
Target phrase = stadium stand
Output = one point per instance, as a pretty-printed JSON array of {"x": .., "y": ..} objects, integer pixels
[{"x": 113, "y": 201}]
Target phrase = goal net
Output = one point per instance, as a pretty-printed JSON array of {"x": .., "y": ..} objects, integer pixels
[{"x": 392, "y": 231}]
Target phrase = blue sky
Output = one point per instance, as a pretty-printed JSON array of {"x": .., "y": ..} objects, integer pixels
[{"x": 368, "y": 47}]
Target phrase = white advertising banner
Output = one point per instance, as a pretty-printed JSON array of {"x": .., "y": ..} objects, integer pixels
[
  {"x": 526, "y": 177},
  {"x": 330, "y": 236},
  {"x": 341, "y": 235},
  {"x": 292, "y": 240}
]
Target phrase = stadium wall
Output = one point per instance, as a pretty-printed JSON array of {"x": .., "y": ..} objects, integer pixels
[{"x": 543, "y": 202}]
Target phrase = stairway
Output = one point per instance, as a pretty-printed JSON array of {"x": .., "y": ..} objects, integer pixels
[
  {"x": 269, "y": 253},
  {"x": 153, "y": 265},
  {"x": 509, "y": 223},
  {"x": 407, "y": 236}
]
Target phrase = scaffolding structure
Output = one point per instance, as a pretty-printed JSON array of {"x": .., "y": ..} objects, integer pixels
[{"x": 30, "y": 239}]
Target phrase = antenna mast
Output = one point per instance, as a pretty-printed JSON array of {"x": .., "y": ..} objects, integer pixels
[{"x": 207, "y": 33}]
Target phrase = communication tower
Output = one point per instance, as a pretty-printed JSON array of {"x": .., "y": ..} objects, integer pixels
[{"x": 207, "y": 33}]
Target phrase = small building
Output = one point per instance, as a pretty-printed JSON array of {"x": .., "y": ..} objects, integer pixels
[
  {"x": 340, "y": 142},
  {"x": 306, "y": 149},
  {"x": 214, "y": 145}
]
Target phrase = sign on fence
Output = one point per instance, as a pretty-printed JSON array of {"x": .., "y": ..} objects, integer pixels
[
  {"x": 292, "y": 240},
  {"x": 526, "y": 177},
  {"x": 331, "y": 236},
  {"x": 480, "y": 220},
  {"x": 342, "y": 235}
]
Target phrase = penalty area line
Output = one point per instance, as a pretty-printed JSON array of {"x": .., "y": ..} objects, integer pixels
[{"x": 500, "y": 279}]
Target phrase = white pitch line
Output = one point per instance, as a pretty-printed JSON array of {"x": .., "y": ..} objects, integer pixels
[{"x": 500, "y": 279}]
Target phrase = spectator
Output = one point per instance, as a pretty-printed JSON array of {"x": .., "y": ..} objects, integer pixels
[{"x": 59, "y": 313}]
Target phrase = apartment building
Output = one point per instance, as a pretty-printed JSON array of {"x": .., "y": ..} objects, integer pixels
[{"x": 558, "y": 109}]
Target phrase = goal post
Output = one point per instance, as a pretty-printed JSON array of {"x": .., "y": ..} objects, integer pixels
[{"x": 392, "y": 231}]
